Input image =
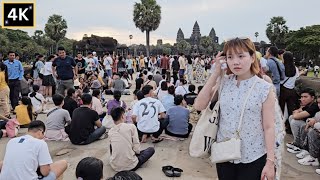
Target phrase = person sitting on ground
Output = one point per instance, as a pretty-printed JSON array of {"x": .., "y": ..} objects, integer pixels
[
  {"x": 89, "y": 168},
  {"x": 28, "y": 157},
  {"x": 57, "y": 119},
  {"x": 157, "y": 78},
  {"x": 119, "y": 85},
  {"x": 95, "y": 82},
  {"x": 126, "y": 80},
  {"x": 116, "y": 102},
  {"x": 310, "y": 142},
  {"x": 149, "y": 115},
  {"x": 150, "y": 82},
  {"x": 124, "y": 144},
  {"x": 183, "y": 87},
  {"x": 70, "y": 103},
  {"x": 37, "y": 99},
  {"x": 125, "y": 175},
  {"x": 178, "y": 119},
  {"x": 168, "y": 99},
  {"x": 96, "y": 103},
  {"x": 139, "y": 81},
  {"x": 191, "y": 96},
  {"x": 163, "y": 90},
  {"x": 298, "y": 118},
  {"x": 84, "y": 120},
  {"x": 3, "y": 122},
  {"x": 24, "y": 112}
]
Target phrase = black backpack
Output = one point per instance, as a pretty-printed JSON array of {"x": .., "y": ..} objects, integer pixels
[{"x": 175, "y": 65}]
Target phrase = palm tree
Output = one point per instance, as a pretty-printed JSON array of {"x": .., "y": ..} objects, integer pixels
[
  {"x": 147, "y": 16},
  {"x": 56, "y": 28},
  {"x": 256, "y": 34},
  {"x": 276, "y": 30}
]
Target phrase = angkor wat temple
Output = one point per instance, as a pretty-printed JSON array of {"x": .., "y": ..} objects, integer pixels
[{"x": 195, "y": 37}]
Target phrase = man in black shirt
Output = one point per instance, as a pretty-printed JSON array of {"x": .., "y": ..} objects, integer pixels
[
  {"x": 139, "y": 81},
  {"x": 298, "y": 118},
  {"x": 65, "y": 70},
  {"x": 81, "y": 64},
  {"x": 84, "y": 119},
  {"x": 69, "y": 103},
  {"x": 190, "y": 97}
]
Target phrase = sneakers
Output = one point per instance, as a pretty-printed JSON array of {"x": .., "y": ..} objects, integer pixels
[
  {"x": 309, "y": 161},
  {"x": 302, "y": 154},
  {"x": 104, "y": 136},
  {"x": 290, "y": 145},
  {"x": 318, "y": 171},
  {"x": 294, "y": 150}
]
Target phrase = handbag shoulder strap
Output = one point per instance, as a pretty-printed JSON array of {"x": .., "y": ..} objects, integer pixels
[
  {"x": 244, "y": 107},
  {"x": 52, "y": 111},
  {"x": 285, "y": 81}
]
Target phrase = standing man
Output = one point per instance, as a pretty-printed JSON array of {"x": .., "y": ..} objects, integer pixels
[
  {"x": 15, "y": 74},
  {"x": 65, "y": 70},
  {"x": 129, "y": 66},
  {"x": 164, "y": 64},
  {"x": 81, "y": 64},
  {"x": 107, "y": 62},
  {"x": 182, "y": 62},
  {"x": 275, "y": 67}
]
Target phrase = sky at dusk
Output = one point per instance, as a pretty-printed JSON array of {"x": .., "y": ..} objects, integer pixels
[{"x": 229, "y": 18}]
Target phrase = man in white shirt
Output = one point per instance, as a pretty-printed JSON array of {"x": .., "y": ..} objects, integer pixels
[
  {"x": 183, "y": 87},
  {"x": 149, "y": 114},
  {"x": 25, "y": 154},
  {"x": 124, "y": 144},
  {"x": 90, "y": 63},
  {"x": 182, "y": 63},
  {"x": 107, "y": 62}
]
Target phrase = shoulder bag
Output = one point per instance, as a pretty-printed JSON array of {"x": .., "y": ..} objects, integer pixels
[
  {"x": 206, "y": 129},
  {"x": 230, "y": 149}
]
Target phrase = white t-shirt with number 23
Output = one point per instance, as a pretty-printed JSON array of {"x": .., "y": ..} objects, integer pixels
[{"x": 147, "y": 111}]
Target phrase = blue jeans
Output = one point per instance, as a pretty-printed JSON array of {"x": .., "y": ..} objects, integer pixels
[
  {"x": 109, "y": 72},
  {"x": 97, "y": 133},
  {"x": 144, "y": 156}
]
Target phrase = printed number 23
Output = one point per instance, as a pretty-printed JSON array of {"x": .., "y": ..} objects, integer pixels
[{"x": 145, "y": 112}]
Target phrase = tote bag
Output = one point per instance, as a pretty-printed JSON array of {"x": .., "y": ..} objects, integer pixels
[{"x": 206, "y": 129}]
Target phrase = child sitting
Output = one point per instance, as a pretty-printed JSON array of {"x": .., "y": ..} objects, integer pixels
[
  {"x": 24, "y": 112},
  {"x": 37, "y": 99},
  {"x": 124, "y": 144}
]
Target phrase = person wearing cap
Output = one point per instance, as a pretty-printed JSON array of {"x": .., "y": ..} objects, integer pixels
[{"x": 96, "y": 61}]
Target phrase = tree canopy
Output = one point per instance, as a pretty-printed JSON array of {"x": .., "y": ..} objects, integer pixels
[
  {"x": 276, "y": 30},
  {"x": 305, "y": 40}
]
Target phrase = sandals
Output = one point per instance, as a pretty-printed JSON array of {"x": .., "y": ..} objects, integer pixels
[
  {"x": 171, "y": 171},
  {"x": 158, "y": 140}
]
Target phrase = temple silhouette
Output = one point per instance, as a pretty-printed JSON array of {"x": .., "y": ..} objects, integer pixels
[{"x": 195, "y": 37}]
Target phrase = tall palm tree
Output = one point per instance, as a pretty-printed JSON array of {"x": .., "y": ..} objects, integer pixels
[
  {"x": 256, "y": 34},
  {"x": 147, "y": 16},
  {"x": 56, "y": 28}
]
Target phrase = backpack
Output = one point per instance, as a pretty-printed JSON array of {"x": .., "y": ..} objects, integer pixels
[
  {"x": 281, "y": 73},
  {"x": 175, "y": 65}
]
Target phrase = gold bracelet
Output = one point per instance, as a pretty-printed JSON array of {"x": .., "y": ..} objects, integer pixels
[{"x": 270, "y": 160}]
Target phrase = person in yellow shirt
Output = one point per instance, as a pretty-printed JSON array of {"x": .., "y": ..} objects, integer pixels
[
  {"x": 4, "y": 91},
  {"x": 24, "y": 112},
  {"x": 141, "y": 62}
]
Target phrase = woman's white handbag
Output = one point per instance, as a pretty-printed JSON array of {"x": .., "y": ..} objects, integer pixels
[
  {"x": 230, "y": 149},
  {"x": 206, "y": 129}
]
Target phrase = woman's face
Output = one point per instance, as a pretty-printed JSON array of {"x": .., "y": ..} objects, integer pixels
[{"x": 239, "y": 62}]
